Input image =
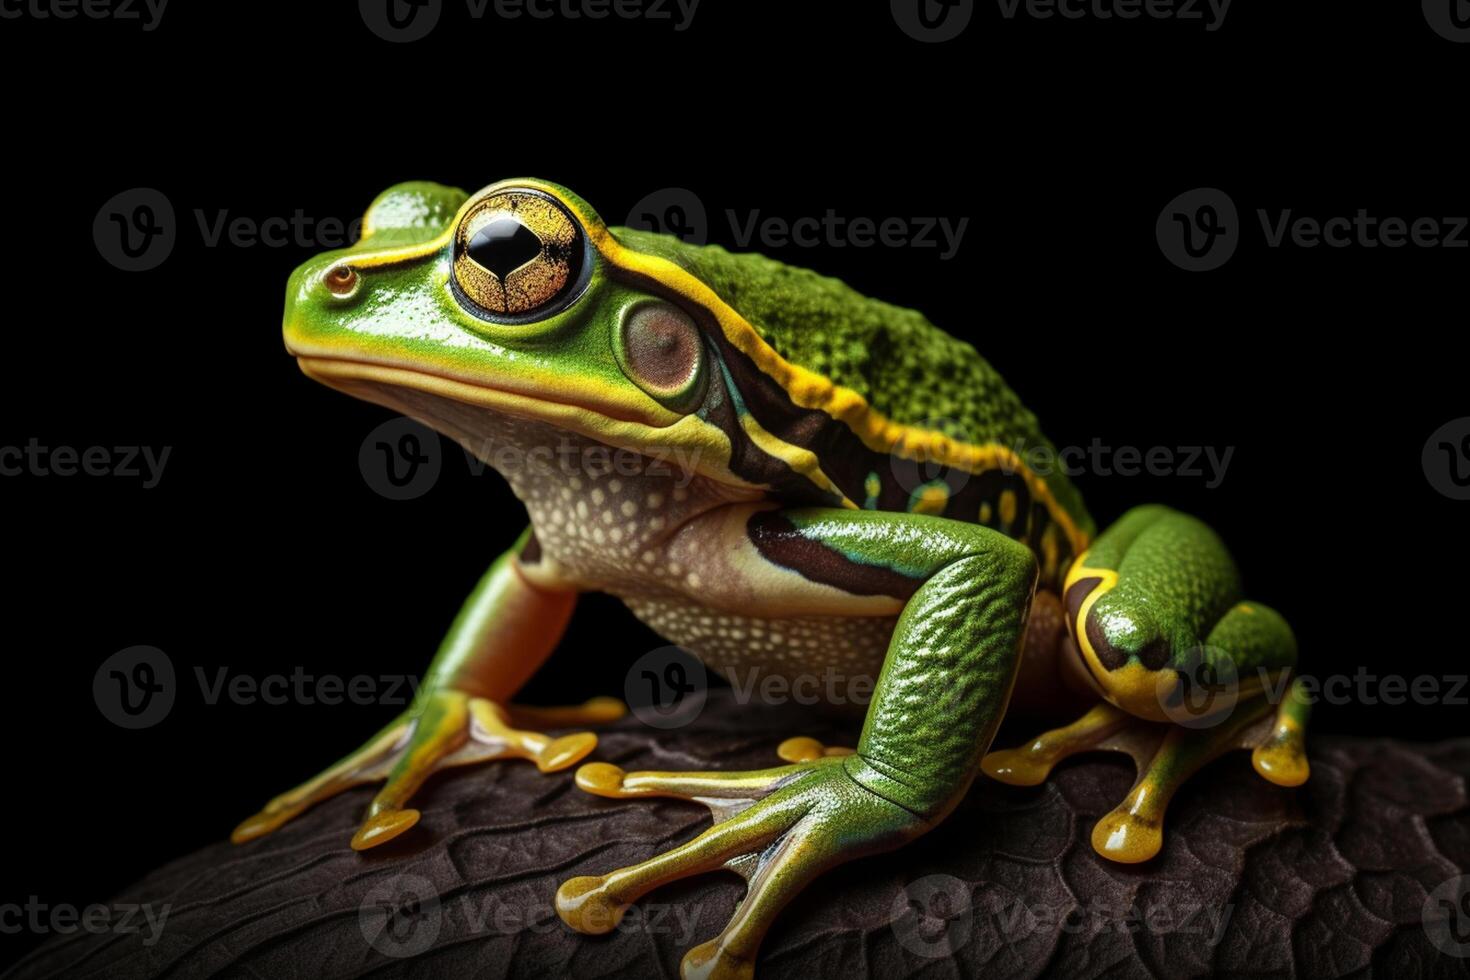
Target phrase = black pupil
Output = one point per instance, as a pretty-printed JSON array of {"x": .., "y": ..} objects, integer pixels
[{"x": 503, "y": 245}]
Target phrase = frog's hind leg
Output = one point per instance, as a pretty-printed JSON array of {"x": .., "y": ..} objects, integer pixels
[{"x": 1189, "y": 670}]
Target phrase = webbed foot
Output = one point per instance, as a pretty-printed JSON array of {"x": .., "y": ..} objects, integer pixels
[
  {"x": 446, "y": 728},
  {"x": 778, "y": 828}
]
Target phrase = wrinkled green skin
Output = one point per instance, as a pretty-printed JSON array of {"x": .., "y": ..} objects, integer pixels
[{"x": 953, "y": 656}]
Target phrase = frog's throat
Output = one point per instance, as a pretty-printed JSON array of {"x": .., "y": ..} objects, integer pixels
[{"x": 447, "y": 405}]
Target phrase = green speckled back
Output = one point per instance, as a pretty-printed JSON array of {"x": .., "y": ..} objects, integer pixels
[{"x": 904, "y": 366}]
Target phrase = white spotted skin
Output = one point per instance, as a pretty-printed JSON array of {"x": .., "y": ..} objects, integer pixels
[
  {"x": 671, "y": 545},
  {"x": 739, "y": 647}
]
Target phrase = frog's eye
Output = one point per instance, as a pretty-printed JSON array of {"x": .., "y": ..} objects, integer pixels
[
  {"x": 519, "y": 256},
  {"x": 662, "y": 352}
]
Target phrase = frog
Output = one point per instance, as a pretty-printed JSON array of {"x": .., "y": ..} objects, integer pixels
[{"x": 852, "y": 491}]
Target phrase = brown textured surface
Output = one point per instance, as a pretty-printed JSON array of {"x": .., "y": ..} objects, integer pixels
[{"x": 1326, "y": 881}]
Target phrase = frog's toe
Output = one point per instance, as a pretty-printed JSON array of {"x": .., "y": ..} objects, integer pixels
[
  {"x": 598, "y": 711},
  {"x": 1030, "y": 764},
  {"x": 778, "y": 828},
  {"x": 367, "y": 764},
  {"x": 1281, "y": 755},
  {"x": 803, "y": 749},
  {"x": 450, "y": 728},
  {"x": 1166, "y": 756}
]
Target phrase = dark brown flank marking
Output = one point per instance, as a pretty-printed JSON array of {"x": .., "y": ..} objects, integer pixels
[
  {"x": 1077, "y": 594},
  {"x": 778, "y": 540},
  {"x": 1154, "y": 655},
  {"x": 530, "y": 551}
]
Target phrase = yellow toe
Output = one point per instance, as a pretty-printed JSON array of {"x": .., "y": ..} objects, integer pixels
[
  {"x": 1123, "y": 837},
  {"x": 585, "y": 905},
  {"x": 565, "y": 751},
  {"x": 710, "y": 961},
  {"x": 383, "y": 827}
]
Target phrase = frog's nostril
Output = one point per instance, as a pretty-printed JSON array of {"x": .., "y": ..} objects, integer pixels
[{"x": 340, "y": 279}]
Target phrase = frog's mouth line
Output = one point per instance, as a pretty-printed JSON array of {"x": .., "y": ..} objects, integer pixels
[
  {"x": 687, "y": 439},
  {"x": 589, "y": 418}
]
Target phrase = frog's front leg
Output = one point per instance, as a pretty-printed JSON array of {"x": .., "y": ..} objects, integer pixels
[
  {"x": 507, "y": 628},
  {"x": 962, "y": 593},
  {"x": 1187, "y": 668}
]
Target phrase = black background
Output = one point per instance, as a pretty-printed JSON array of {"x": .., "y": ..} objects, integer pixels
[{"x": 263, "y": 549}]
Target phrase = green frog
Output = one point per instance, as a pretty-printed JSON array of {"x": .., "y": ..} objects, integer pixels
[{"x": 786, "y": 478}]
